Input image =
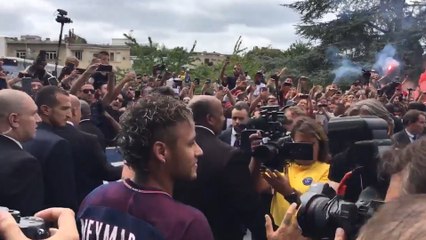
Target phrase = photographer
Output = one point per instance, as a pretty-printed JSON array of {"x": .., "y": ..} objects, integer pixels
[
  {"x": 69, "y": 73},
  {"x": 297, "y": 176},
  {"x": 340, "y": 163},
  {"x": 64, "y": 217},
  {"x": 37, "y": 69},
  {"x": 289, "y": 230}
]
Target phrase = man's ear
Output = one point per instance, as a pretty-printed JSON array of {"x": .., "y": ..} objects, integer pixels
[
  {"x": 159, "y": 151},
  {"x": 210, "y": 119},
  {"x": 74, "y": 111},
  {"x": 45, "y": 110},
  {"x": 13, "y": 120}
]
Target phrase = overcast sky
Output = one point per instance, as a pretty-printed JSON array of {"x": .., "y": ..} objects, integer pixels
[{"x": 215, "y": 24}]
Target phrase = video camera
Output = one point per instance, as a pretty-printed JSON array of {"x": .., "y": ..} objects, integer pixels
[
  {"x": 360, "y": 142},
  {"x": 275, "y": 147},
  {"x": 32, "y": 227},
  {"x": 61, "y": 18}
]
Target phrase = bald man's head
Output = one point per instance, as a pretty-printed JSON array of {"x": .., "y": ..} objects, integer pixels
[
  {"x": 18, "y": 115},
  {"x": 75, "y": 102},
  {"x": 201, "y": 106},
  {"x": 75, "y": 110},
  {"x": 85, "y": 110},
  {"x": 208, "y": 112},
  {"x": 12, "y": 101}
]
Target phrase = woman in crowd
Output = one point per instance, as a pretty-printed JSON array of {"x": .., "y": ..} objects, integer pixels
[{"x": 298, "y": 175}]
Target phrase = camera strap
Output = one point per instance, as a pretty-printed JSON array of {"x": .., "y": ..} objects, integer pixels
[{"x": 341, "y": 189}]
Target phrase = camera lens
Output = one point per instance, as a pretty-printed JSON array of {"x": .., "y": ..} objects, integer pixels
[{"x": 312, "y": 216}]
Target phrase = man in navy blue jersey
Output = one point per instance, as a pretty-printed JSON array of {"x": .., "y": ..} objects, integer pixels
[{"x": 158, "y": 143}]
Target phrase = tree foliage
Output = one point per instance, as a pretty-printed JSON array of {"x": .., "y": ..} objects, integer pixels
[
  {"x": 300, "y": 58},
  {"x": 152, "y": 54},
  {"x": 362, "y": 28}
]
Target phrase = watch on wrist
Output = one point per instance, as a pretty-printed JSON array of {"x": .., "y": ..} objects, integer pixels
[{"x": 293, "y": 197}]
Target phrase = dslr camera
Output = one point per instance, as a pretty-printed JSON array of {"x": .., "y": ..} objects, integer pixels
[
  {"x": 275, "y": 147},
  {"x": 32, "y": 227},
  {"x": 322, "y": 211}
]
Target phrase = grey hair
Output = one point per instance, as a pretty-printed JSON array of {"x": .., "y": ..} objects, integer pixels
[{"x": 372, "y": 107}]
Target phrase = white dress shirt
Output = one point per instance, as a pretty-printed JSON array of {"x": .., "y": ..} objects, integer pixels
[
  {"x": 233, "y": 136},
  {"x": 410, "y": 136}
]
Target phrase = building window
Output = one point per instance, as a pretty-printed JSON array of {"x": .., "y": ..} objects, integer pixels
[
  {"x": 78, "y": 55},
  {"x": 51, "y": 55},
  {"x": 21, "y": 53},
  {"x": 111, "y": 56}
]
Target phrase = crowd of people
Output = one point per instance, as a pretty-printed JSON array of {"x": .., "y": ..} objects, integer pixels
[{"x": 186, "y": 174}]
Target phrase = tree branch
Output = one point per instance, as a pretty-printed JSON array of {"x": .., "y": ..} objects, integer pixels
[{"x": 376, "y": 27}]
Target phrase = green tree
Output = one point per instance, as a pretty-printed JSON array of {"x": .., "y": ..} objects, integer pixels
[
  {"x": 152, "y": 54},
  {"x": 361, "y": 28}
]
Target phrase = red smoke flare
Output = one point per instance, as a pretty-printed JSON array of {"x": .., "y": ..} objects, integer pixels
[{"x": 392, "y": 66}]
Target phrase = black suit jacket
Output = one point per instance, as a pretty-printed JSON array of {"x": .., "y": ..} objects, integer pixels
[
  {"x": 223, "y": 190},
  {"x": 88, "y": 126},
  {"x": 21, "y": 179},
  {"x": 91, "y": 166},
  {"x": 401, "y": 138},
  {"x": 226, "y": 135},
  {"x": 54, "y": 154}
]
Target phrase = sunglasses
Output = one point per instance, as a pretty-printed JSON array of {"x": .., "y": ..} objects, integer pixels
[{"x": 87, "y": 91}]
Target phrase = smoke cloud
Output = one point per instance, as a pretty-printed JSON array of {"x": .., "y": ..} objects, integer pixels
[
  {"x": 344, "y": 68},
  {"x": 385, "y": 60}
]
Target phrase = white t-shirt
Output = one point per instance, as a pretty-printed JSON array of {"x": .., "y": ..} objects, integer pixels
[{"x": 257, "y": 90}]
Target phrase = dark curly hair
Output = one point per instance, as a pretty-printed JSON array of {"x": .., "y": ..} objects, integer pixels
[{"x": 147, "y": 121}]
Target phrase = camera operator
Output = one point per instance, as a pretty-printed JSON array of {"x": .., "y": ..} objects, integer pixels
[
  {"x": 404, "y": 218},
  {"x": 100, "y": 78},
  {"x": 297, "y": 176},
  {"x": 69, "y": 73},
  {"x": 339, "y": 164},
  {"x": 64, "y": 217},
  {"x": 289, "y": 230},
  {"x": 37, "y": 71},
  {"x": 102, "y": 119}
]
